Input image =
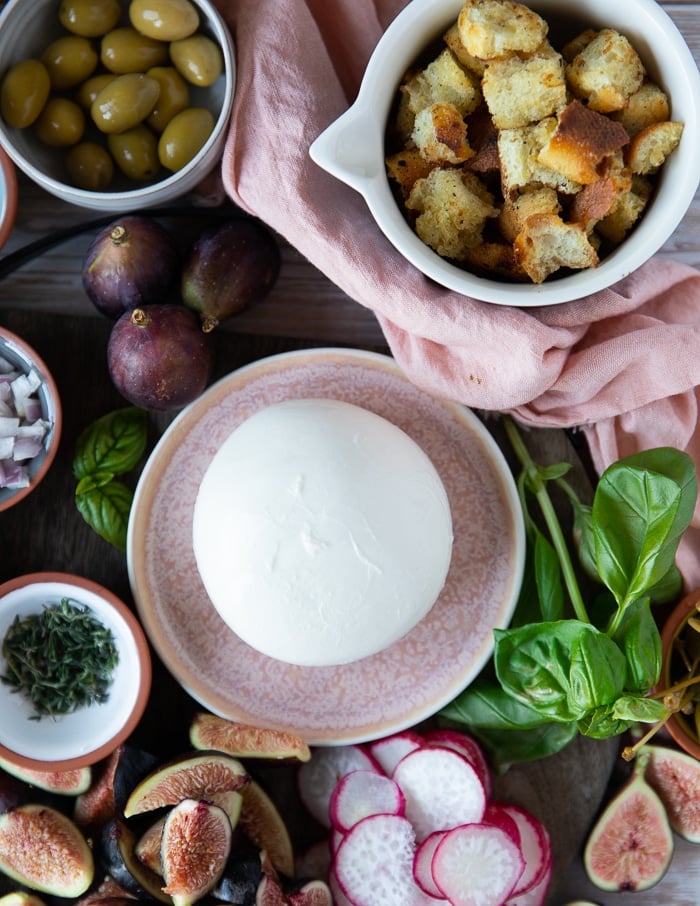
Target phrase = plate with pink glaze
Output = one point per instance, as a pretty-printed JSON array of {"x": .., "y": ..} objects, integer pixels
[{"x": 386, "y": 692}]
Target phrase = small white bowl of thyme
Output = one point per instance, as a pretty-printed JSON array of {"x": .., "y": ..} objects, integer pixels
[{"x": 75, "y": 671}]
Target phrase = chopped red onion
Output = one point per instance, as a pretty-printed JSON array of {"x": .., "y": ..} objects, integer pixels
[{"x": 22, "y": 428}]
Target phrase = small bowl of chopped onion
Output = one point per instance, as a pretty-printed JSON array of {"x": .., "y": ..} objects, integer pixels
[
  {"x": 30, "y": 419},
  {"x": 75, "y": 672}
]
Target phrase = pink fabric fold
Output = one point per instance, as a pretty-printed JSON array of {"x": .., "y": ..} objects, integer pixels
[{"x": 622, "y": 365}]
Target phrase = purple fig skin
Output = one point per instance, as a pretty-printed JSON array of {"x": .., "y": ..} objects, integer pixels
[
  {"x": 158, "y": 357},
  {"x": 228, "y": 269},
  {"x": 130, "y": 263}
]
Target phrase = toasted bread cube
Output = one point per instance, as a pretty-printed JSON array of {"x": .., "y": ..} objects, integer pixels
[
  {"x": 581, "y": 142},
  {"x": 490, "y": 29},
  {"x": 594, "y": 202},
  {"x": 443, "y": 81},
  {"x": 519, "y": 151},
  {"x": 574, "y": 47},
  {"x": 453, "y": 208},
  {"x": 406, "y": 166},
  {"x": 520, "y": 91},
  {"x": 440, "y": 134},
  {"x": 454, "y": 42},
  {"x": 495, "y": 260},
  {"x": 626, "y": 212},
  {"x": 649, "y": 148},
  {"x": 546, "y": 244},
  {"x": 607, "y": 72},
  {"x": 647, "y": 106},
  {"x": 515, "y": 211}
]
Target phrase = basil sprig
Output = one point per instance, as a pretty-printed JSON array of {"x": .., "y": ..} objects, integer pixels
[
  {"x": 111, "y": 446},
  {"x": 583, "y": 649}
]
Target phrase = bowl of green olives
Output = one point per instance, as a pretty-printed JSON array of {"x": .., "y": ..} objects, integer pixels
[{"x": 115, "y": 104}]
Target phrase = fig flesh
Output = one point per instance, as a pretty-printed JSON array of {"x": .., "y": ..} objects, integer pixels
[
  {"x": 209, "y": 731},
  {"x": 197, "y": 776},
  {"x": 130, "y": 263},
  {"x": 631, "y": 844},
  {"x": 158, "y": 357},
  {"x": 261, "y": 822},
  {"x": 194, "y": 850},
  {"x": 675, "y": 776},
  {"x": 228, "y": 269},
  {"x": 66, "y": 783},
  {"x": 21, "y": 898},
  {"x": 117, "y": 853},
  {"x": 62, "y": 867}
]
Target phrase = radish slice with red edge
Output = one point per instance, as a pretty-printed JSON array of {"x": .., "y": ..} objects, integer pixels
[
  {"x": 477, "y": 865},
  {"x": 389, "y": 750},
  {"x": 374, "y": 864},
  {"x": 535, "y": 846},
  {"x": 317, "y": 778},
  {"x": 535, "y": 896},
  {"x": 423, "y": 864},
  {"x": 442, "y": 790},
  {"x": 466, "y": 745},
  {"x": 360, "y": 794}
]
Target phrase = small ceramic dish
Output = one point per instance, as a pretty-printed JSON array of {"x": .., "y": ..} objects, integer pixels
[
  {"x": 677, "y": 635},
  {"x": 8, "y": 197},
  {"x": 26, "y": 28},
  {"x": 26, "y": 360},
  {"x": 352, "y": 148},
  {"x": 91, "y": 732}
]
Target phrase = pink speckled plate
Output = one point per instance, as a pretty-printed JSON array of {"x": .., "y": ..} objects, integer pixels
[{"x": 378, "y": 695}]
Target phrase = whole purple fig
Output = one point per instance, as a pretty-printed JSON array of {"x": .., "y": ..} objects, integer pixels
[
  {"x": 158, "y": 356},
  {"x": 129, "y": 263}
]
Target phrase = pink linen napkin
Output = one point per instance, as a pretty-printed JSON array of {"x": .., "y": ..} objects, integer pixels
[{"x": 623, "y": 365}]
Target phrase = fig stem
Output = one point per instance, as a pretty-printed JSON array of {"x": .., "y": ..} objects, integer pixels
[
  {"x": 629, "y": 753},
  {"x": 139, "y": 318},
  {"x": 119, "y": 234}
]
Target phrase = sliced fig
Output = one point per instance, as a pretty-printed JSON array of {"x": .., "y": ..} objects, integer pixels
[
  {"x": 147, "y": 847},
  {"x": 264, "y": 826},
  {"x": 228, "y": 269},
  {"x": 117, "y": 854},
  {"x": 270, "y": 893},
  {"x": 313, "y": 893},
  {"x": 240, "y": 879},
  {"x": 66, "y": 783},
  {"x": 631, "y": 844},
  {"x": 21, "y": 898},
  {"x": 195, "y": 847},
  {"x": 192, "y": 776},
  {"x": 208, "y": 731},
  {"x": 63, "y": 865},
  {"x": 675, "y": 776}
]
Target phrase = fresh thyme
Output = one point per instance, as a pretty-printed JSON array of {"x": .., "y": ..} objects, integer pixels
[{"x": 60, "y": 659}]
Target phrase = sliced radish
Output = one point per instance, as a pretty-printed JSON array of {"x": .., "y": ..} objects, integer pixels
[
  {"x": 535, "y": 896},
  {"x": 423, "y": 864},
  {"x": 466, "y": 745},
  {"x": 391, "y": 749},
  {"x": 442, "y": 790},
  {"x": 374, "y": 864},
  {"x": 339, "y": 898},
  {"x": 496, "y": 814},
  {"x": 316, "y": 778},
  {"x": 535, "y": 846},
  {"x": 360, "y": 794},
  {"x": 477, "y": 865}
]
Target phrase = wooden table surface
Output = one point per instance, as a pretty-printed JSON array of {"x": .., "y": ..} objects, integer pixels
[{"x": 41, "y": 298}]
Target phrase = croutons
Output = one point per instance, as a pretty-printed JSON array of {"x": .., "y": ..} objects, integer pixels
[
  {"x": 405, "y": 167},
  {"x": 607, "y": 72},
  {"x": 626, "y": 212},
  {"x": 522, "y": 91},
  {"x": 440, "y": 134},
  {"x": 454, "y": 42},
  {"x": 490, "y": 29},
  {"x": 515, "y": 211},
  {"x": 651, "y": 146},
  {"x": 546, "y": 243},
  {"x": 443, "y": 81},
  {"x": 580, "y": 143},
  {"x": 646, "y": 106},
  {"x": 520, "y": 149},
  {"x": 452, "y": 211}
]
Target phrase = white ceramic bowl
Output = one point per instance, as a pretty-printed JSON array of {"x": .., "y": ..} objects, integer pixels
[
  {"x": 25, "y": 359},
  {"x": 26, "y": 27},
  {"x": 352, "y": 147},
  {"x": 8, "y": 197},
  {"x": 90, "y": 733}
]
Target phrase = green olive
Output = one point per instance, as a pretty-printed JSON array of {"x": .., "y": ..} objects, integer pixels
[
  {"x": 125, "y": 50},
  {"x": 90, "y": 166},
  {"x": 25, "y": 90},
  {"x": 88, "y": 91},
  {"x": 69, "y": 60},
  {"x": 174, "y": 96},
  {"x": 198, "y": 59},
  {"x": 89, "y": 18},
  {"x": 167, "y": 20},
  {"x": 124, "y": 102},
  {"x": 135, "y": 152},
  {"x": 61, "y": 123},
  {"x": 183, "y": 137}
]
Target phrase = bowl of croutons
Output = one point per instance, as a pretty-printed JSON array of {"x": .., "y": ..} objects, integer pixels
[{"x": 524, "y": 154}]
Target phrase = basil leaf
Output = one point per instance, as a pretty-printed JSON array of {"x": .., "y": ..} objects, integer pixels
[
  {"x": 641, "y": 507},
  {"x": 585, "y": 540},
  {"x": 550, "y": 588},
  {"x": 105, "y": 506},
  {"x": 639, "y": 709},
  {"x": 485, "y": 704},
  {"x": 113, "y": 443},
  {"x": 638, "y": 638},
  {"x": 669, "y": 588},
  {"x": 513, "y": 746},
  {"x": 602, "y": 723},
  {"x": 597, "y": 671}
]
